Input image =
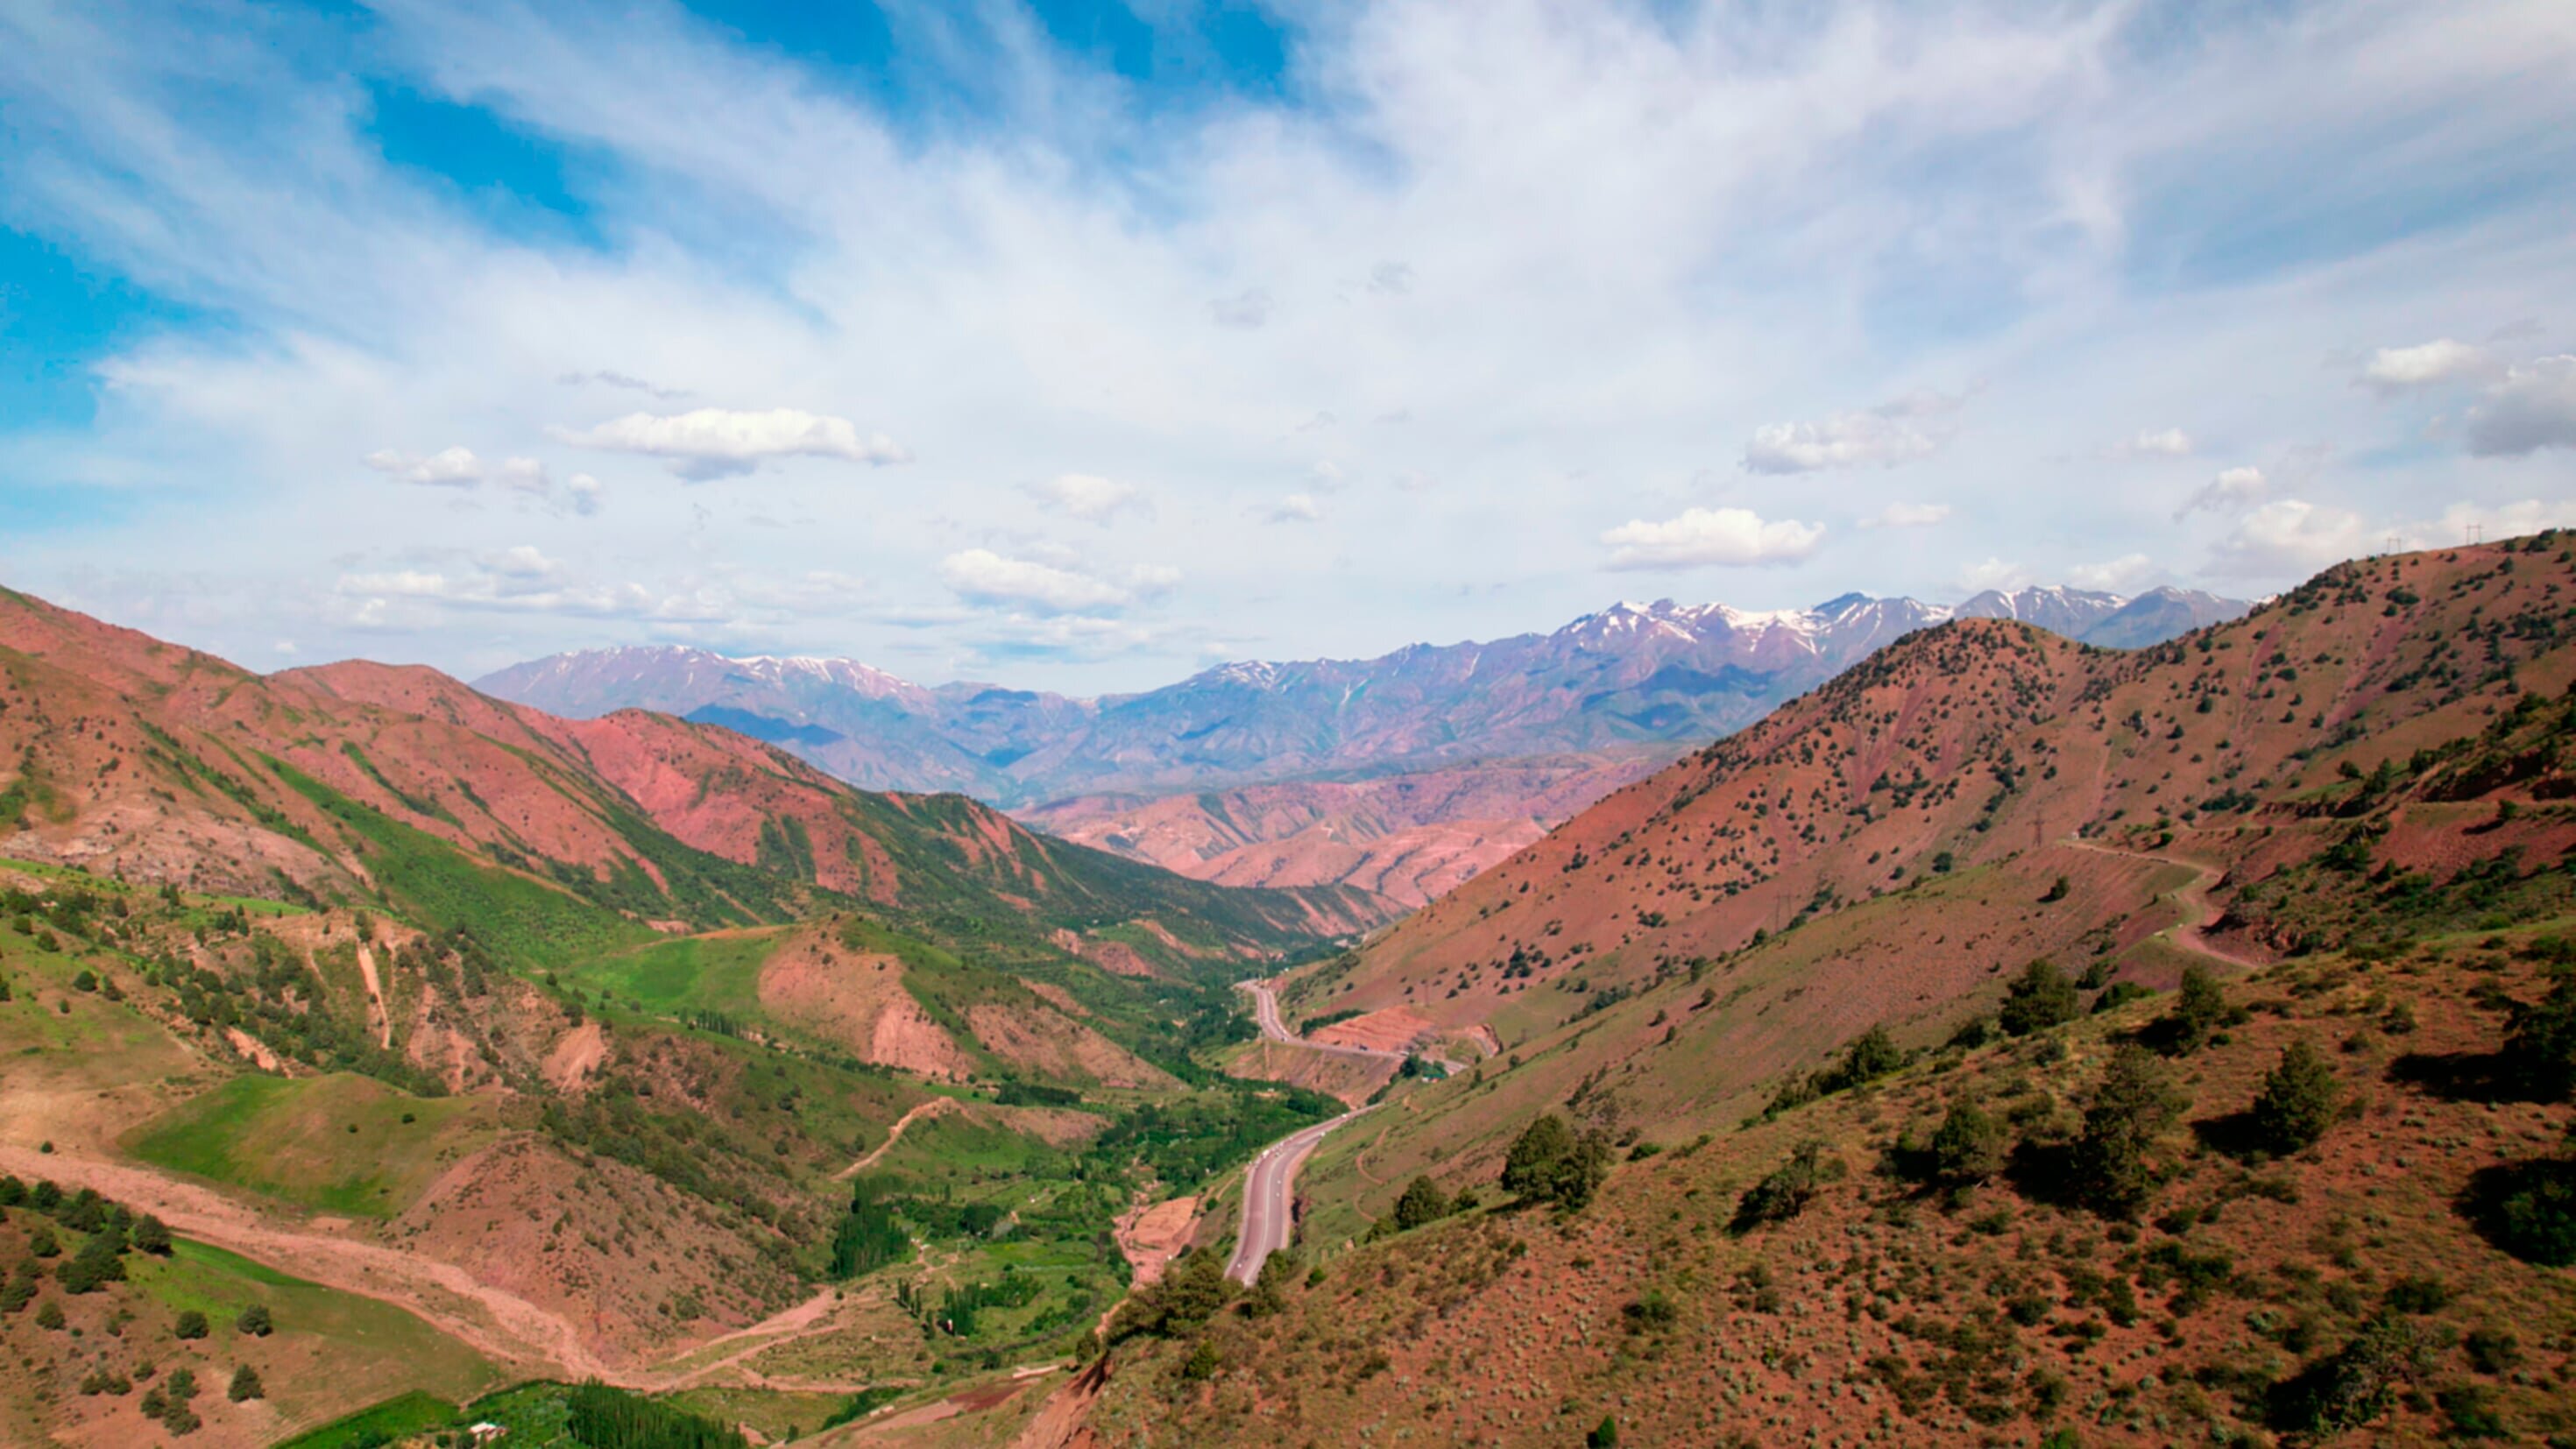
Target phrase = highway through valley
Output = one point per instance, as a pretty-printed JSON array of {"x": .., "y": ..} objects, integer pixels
[{"x": 1270, "y": 1184}]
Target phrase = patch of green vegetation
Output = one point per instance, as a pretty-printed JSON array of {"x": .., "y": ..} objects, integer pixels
[
  {"x": 341, "y": 1143},
  {"x": 431, "y": 882},
  {"x": 390, "y": 1422},
  {"x": 684, "y": 974}
]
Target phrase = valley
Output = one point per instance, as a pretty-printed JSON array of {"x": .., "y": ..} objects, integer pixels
[{"x": 634, "y": 1052}]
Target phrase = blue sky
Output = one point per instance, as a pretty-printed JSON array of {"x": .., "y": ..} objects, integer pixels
[{"x": 1082, "y": 345}]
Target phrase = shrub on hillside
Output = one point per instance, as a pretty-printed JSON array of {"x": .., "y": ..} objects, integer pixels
[
  {"x": 1787, "y": 1191},
  {"x": 2358, "y": 1382},
  {"x": 1423, "y": 1202},
  {"x": 2039, "y": 998},
  {"x": 2540, "y": 1041},
  {"x": 1549, "y": 1163},
  {"x": 1970, "y": 1145},
  {"x": 1192, "y": 1291},
  {"x": 2135, "y": 1104},
  {"x": 2299, "y": 1101},
  {"x": 2527, "y": 1208},
  {"x": 191, "y": 1324},
  {"x": 2200, "y": 1009}
]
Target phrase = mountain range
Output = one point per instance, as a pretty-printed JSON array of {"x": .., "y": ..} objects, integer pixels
[{"x": 1404, "y": 773}]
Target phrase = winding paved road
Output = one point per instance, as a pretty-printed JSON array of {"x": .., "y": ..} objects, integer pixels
[{"x": 1270, "y": 1184}]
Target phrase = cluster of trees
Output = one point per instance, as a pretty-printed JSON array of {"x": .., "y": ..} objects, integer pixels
[
  {"x": 109, "y": 1230},
  {"x": 1192, "y": 1290},
  {"x": 605, "y": 1418},
  {"x": 1550, "y": 1163}
]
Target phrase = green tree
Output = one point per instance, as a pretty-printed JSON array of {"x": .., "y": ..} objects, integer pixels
[
  {"x": 1530, "y": 1170},
  {"x": 245, "y": 1385},
  {"x": 2540, "y": 1041},
  {"x": 254, "y": 1320},
  {"x": 2299, "y": 1100},
  {"x": 151, "y": 1235},
  {"x": 1423, "y": 1202},
  {"x": 1970, "y": 1145},
  {"x": 1871, "y": 1055},
  {"x": 1790, "y": 1187},
  {"x": 191, "y": 1324},
  {"x": 2200, "y": 1008},
  {"x": 1270, "y": 1286},
  {"x": 49, "y": 1314},
  {"x": 2039, "y": 998},
  {"x": 2134, "y": 1105}
]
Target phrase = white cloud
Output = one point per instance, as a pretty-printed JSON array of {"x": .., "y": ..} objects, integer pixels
[
  {"x": 459, "y": 467},
  {"x": 2398, "y": 369},
  {"x": 1243, "y": 312},
  {"x": 2155, "y": 443},
  {"x": 2123, "y": 575},
  {"x": 1911, "y": 427},
  {"x": 1638, "y": 228},
  {"x": 587, "y": 494},
  {"x": 2534, "y": 407},
  {"x": 1908, "y": 515},
  {"x": 1994, "y": 573},
  {"x": 1088, "y": 497},
  {"x": 606, "y": 378},
  {"x": 1731, "y": 537},
  {"x": 522, "y": 475},
  {"x": 710, "y": 443},
  {"x": 2293, "y": 536},
  {"x": 2232, "y": 488},
  {"x": 982, "y": 576},
  {"x": 1297, "y": 508},
  {"x": 524, "y": 564},
  {"x": 456, "y": 467}
]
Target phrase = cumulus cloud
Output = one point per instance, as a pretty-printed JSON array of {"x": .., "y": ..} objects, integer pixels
[
  {"x": 981, "y": 576},
  {"x": 1297, "y": 508},
  {"x": 2155, "y": 443},
  {"x": 710, "y": 443},
  {"x": 459, "y": 467},
  {"x": 1088, "y": 497},
  {"x": 2232, "y": 488},
  {"x": 2122, "y": 575},
  {"x": 1994, "y": 573},
  {"x": 586, "y": 492},
  {"x": 1908, "y": 515},
  {"x": 2534, "y": 407},
  {"x": 2292, "y": 535},
  {"x": 1911, "y": 427},
  {"x": 1730, "y": 537},
  {"x": 2399, "y": 369}
]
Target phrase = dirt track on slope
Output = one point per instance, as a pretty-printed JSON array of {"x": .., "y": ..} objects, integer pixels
[{"x": 2198, "y": 915}]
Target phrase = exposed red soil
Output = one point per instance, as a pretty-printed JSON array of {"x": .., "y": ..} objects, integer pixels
[
  {"x": 1407, "y": 837},
  {"x": 1394, "y": 1029}
]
